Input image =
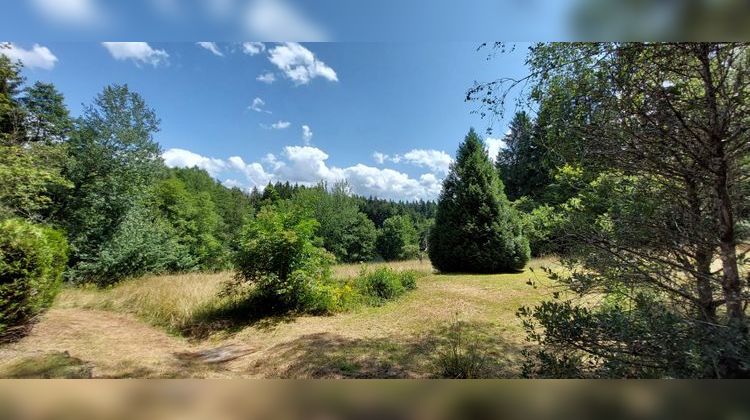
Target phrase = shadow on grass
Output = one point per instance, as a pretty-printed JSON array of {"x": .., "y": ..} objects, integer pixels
[
  {"x": 328, "y": 355},
  {"x": 54, "y": 365},
  {"x": 232, "y": 317}
]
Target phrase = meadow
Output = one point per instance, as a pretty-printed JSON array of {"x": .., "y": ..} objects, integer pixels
[{"x": 141, "y": 328}]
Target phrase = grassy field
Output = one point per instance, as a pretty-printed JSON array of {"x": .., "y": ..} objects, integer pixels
[{"x": 162, "y": 327}]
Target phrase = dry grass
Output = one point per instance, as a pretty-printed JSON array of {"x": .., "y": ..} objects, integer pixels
[{"x": 105, "y": 329}]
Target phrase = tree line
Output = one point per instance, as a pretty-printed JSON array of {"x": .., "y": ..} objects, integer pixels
[{"x": 89, "y": 200}]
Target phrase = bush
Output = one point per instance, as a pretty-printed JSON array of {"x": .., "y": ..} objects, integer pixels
[
  {"x": 385, "y": 284},
  {"x": 459, "y": 358},
  {"x": 476, "y": 230},
  {"x": 278, "y": 255},
  {"x": 142, "y": 244},
  {"x": 32, "y": 260},
  {"x": 543, "y": 227}
]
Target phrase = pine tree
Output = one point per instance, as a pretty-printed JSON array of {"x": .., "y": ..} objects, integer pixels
[{"x": 476, "y": 230}]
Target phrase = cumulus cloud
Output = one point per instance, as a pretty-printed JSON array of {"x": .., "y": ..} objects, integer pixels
[
  {"x": 307, "y": 134},
  {"x": 307, "y": 165},
  {"x": 493, "y": 147},
  {"x": 278, "y": 125},
  {"x": 252, "y": 48},
  {"x": 180, "y": 158},
  {"x": 38, "y": 57},
  {"x": 138, "y": 52},
  {"x": 258, "y": 105},
  {"x": 436, "y": 160},
  {"x": 379, "y": 158},
  {"x": 280, "y": 20},
  {"x": 254, "y": 171},
  {"x": 266, "y": 78},
  {"x": 71, "y": 12},
  {"x": 299, "y": 64},
  {"x": 211, "y": 46}
]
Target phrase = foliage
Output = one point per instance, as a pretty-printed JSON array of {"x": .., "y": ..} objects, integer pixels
[
  {"x": 459, "y": 358},
  {"x": 398, "y": 239},
  {"x": 48, "y": 119},
  {"x": 32, "y": 259},
  {"x": 543, "y": 226},
  {"x": 279, "y": 256},
  {"x": 521, "y": 163},
  {"x": 476, "y": 230},
  {"x": 27, "y": 179},
  {"x": 194, "y": 220},
  {"x": 142, "y": 244},
  {"x": 346, "y": 232},
  {"x": 649, "y": 141},
  {"x": 384, "y": 284},
  {"x": 112, "y": 161}
]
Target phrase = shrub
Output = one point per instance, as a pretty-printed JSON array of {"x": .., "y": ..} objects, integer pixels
[
  {"x": 459, "y": 358},
  {"x": 278, "y": 255},
  {"x": 385, "y": 284},
  {"x": 142, "y": 244},
  {"x": 476, "y": 230},
  {"x": 543, "y": 227},
  {"x": 32, "y": 259}
]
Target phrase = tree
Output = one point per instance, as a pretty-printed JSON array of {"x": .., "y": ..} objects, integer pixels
[
  {"x": 112, "y": 160},
  {"x": 346, "y": 233},
  {"x": 398, "y": 239},
  {"x": 11, "y": 113},
  {"x": 665, "y": 131},
  {"x": 520, "y": 163},
  {"x": 476, "y": 230},
  {"x": 48, "y": 119}
]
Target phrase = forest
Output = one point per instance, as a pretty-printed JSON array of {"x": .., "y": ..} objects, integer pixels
[{"x": 618, "y": 209}]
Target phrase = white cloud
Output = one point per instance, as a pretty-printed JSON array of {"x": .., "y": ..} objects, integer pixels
[
  {"x": 180, "y": 158},
  {"x": 139, "y": 52},
  {"x": 307, "y": 134},
  {"x": 69, "y": 11},
  {"x": 299, "y": 64},
  {"x": 254, "y": 171},
  {"x": 211, "y": 46},
  {"x": 436, "y": 160},
  {"x": 266, "y": 78},
  {"x": 307, "y": 165},
  {"x": 379, "y": 158},
  {"x": 493, "y": 147},
  {"x": 37, "y": 57},
  {"x": 278, "y": 125},
  {"x": 280, "y": 20},
  {"x": 258, "y": 105},
  {"x": 252, "y": 48}
]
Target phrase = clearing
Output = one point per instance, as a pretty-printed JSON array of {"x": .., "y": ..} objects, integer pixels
[{"x": 134, "y": 330}]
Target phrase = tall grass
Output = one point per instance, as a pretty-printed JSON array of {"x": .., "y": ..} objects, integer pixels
[{"x": 172, "y": 302}]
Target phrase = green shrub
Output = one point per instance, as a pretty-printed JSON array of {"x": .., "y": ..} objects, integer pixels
[
  {"x": 543, "y": 227},
  {"x": 398, "y": 239},
  {"x": 32, "y": 259},
  {"x": 142, "y": 244},
  {"x": 278, "y": 255},
  {"x": 385, "y": 284}
]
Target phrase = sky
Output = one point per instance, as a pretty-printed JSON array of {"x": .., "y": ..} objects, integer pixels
[{"x": 386, "y": 117}]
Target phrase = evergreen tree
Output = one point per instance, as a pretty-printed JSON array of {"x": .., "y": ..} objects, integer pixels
[
  {"x": 476, "y": 230},
  {"x": 520, "y": 164}
]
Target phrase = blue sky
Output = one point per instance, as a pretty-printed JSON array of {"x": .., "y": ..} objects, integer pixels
[{"x": 387, "y": 117}]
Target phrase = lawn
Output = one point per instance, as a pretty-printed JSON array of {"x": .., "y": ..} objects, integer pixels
[{"x": 160, "y": 327}]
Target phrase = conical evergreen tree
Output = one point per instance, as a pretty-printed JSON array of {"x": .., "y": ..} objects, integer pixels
[{"x": 476, "y": 230}]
